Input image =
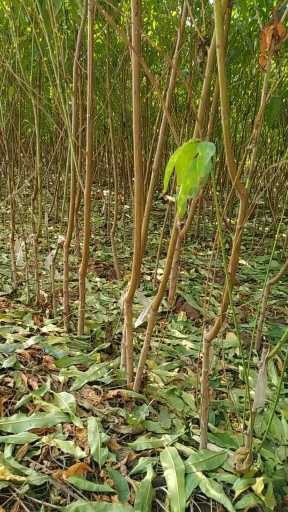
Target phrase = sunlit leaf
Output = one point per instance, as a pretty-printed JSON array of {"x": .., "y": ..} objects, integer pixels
[
  {"x": 20, "y": 422},
  {"x": 192, "y": 163},
  {"x": 215, "y": 491},
  {"x": 174, "y": 472}
]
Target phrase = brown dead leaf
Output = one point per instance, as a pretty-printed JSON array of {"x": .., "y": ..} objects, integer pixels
[
  {"x": 81, "y": 437},
  {"x": 118, "y": 393},
  {"x": 4, "y": 304},
  {"x": 16, "y": 507},
  {"x": 48, "y": 362},
  {"x": 279, "y": 364},
  {"x": 182, "y": 305},
  {"x": 129, "y": 457},
  {"x": 21, "y": 452},
  {"x": 33, "y": 382},
  {"x": 113, "y": 444},
  {"x": 3, "y": 400},
  {"x": 43, "y": 431},
  {"x": 93, "y": 396},
  {"x": 78, "y": 469},
  {"x": 38, "y": 319},
  {"x": 271, "y": 38}
]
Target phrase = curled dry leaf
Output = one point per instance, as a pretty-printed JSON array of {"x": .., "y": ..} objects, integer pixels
[
  {"x": 242, "y": 460},
  {"x": 91, "y": 395},
  {"x": 78, "y": 469},
  {"x": 48, "y": 362},
  {"x": 271, "y": 37},
  {"x": 113, "y": 444}
]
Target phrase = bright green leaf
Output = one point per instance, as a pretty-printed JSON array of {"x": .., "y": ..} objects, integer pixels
[
  {"x": 87, "y": 485},
  {"x": 192, "y": 163},
  {"x": 20, "y": 422}
]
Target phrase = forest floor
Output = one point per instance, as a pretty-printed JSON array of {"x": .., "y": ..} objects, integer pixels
[{"x": 71, "y": 432}]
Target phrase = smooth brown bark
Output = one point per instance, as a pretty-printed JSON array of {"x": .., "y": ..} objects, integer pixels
[
  {"x": 89, "y": 174},
  {"x": 115, "y": 174},
  {"x": 240, "y": 189},
  {"x": 73, "y": 177},
  {"x": 138, "y": 189}
]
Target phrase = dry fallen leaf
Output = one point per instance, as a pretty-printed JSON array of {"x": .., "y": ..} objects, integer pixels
[
  {"x": 48, "y": 362},
  {"x": 113, "y": 444},
  {"x": 21, "y": 452},
  {"x": 78, "y": 469},
  {"x": 93, "y": 396}
]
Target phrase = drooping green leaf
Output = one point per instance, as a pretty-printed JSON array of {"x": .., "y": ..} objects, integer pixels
[
  {"x": 205, "y": 460},
  {"x": 87, "y": 485},
  {"x": 192, "y": 163},
  {"x": 226, "y": 440},
  {"x": 191, "y": 483},
  {"x": 142, "y": 465},
  {"x": 174, "y": 472},
  {"x": 263, "y": 488},
  {"x": 248, "y": 502},
  {"x": 96, "y": 372},
  {"x": 20, "y": 422},
  {"x": 145, "y": 493},
  {"x": 241, "y": 485},
  {"x": 96, "y": 441},
  {"x": 66, "y": 403},
  {"x": 215, "y": 491},
  {"x": 120, "y": 484}
]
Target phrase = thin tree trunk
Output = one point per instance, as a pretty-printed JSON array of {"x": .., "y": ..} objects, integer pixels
[
  {"x": 243, "y": 199},
  {"x": 12, "y": 224},
  {"x": 89, "y": 174},
  {"x": 36, "y": 203},
  {"x": 73, "y": 178},
  {"x": 114, "y": 167},
  {"x": 138, "y": 187}
]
